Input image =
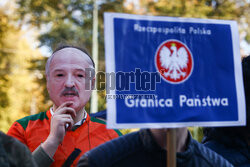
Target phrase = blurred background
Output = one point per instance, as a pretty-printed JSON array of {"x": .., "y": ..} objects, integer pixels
[{"x": 31, "y": 29}]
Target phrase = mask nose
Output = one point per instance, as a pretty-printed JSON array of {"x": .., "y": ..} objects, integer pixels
[{"x": 69, "y": 82}]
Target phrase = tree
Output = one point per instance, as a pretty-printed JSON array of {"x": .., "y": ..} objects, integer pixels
[
  {"x": 5, "y": 57},
  {"x": 238, "y": 10},
  {"x": 24, "y": 93},
  {"x": 65, "y": 21},
  {"x": 18, "y": 91},
  {"x": 68, "y": 22}
]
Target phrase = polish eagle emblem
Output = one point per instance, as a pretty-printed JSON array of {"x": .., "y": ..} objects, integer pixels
[{"x": 174, "y": 61}]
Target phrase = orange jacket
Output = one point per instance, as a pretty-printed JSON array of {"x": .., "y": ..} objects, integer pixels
[{"x": 33, "y": 130}]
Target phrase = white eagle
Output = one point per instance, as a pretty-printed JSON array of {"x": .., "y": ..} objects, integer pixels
[{"x": 174, "y": 62}]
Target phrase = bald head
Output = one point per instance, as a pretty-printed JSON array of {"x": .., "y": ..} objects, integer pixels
[{"x": 68, "y": 50}]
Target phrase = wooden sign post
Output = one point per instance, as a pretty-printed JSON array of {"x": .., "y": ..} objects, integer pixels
[{"x": 171, "y": 147}]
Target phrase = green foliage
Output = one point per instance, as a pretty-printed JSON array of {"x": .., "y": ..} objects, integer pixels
[
  {"x": 37, "y": 65},
  {"x": 219, "y": 9},
  {"x": 238, "y": 10},
  {"x": 67, "y": 21},
  {"x": 64, "y": 21},
  {"x": 17, "y": 87},
  {"x": 23, "y": 93},
  {"x": 5, "y": 57}
]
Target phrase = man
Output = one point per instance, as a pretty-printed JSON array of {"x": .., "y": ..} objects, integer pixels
[
  {"x": 13, "y": 153},
  {"x": 61, "y": 135},
  {"x": 147, "y": 148},
  {"x": 233, "y": 143}
]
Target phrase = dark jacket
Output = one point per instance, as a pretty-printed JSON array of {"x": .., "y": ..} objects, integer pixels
[
  {"x": 233, "y": 148},
  {"x": 13, "y": 153},
  {"x": 140, "y": 149}
]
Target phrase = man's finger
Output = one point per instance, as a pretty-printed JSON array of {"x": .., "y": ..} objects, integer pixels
[
  {"x": 65, "y": 104},
  {"x": 66, "y": 110}
]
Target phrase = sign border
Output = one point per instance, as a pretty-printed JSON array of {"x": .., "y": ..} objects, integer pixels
[{"x": 110, "y": 67}]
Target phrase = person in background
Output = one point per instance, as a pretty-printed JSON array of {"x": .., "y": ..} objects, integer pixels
[
  {"x": 233, "y": 143},
  {"x": 59, "y": 136},
  {"x": 147, "y": 148},
  {"x": 13, "y": 153}
]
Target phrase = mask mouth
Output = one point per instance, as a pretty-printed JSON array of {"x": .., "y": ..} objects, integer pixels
[{"x": 69, "y": 92}]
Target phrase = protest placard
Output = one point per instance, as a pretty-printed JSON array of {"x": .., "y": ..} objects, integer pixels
[{"x": 172, "y": 72}]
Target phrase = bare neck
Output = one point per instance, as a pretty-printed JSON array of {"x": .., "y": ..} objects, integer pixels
[
  {"x": 160, "y": 136},
  {"x": 79, "y": 115}
]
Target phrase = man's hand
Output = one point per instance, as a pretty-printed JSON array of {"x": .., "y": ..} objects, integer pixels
[{"x": 63, "y": 116}]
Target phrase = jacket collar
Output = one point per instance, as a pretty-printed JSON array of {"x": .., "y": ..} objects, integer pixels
[{"x": 151, "y": 145}]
